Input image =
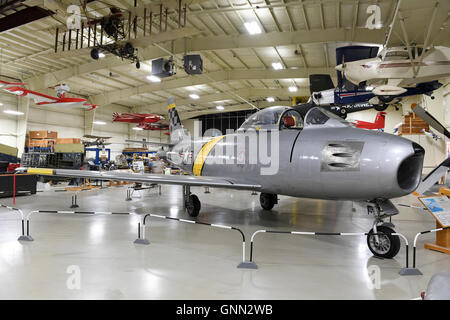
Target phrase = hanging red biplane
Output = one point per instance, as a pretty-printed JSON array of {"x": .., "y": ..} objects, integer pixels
[{"x": 145, "y": 121}]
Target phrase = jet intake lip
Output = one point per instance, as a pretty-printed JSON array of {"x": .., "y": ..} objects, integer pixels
[{"x": 409, "y": 172}]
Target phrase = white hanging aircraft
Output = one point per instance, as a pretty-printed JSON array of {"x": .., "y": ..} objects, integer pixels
[{"x": 393, "y": 69}]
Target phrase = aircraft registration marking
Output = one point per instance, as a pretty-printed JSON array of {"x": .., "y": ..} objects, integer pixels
[{"x": 203, "y": 154}]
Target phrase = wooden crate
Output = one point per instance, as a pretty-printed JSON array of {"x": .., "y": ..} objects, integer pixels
[
  {"x": 68, "y": 140},
  {"x": 43, "y": 134},
  {"x": 39, "y": 143},
  {"x": 412, "y": 124}
]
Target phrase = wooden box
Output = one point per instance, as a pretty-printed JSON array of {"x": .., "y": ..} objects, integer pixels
[
  {"x": 43, "y": 134},
  {"x": 68, "y": 140},
  {"x": 42, "y": 143}
]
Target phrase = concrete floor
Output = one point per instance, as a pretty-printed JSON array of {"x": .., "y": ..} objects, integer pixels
[{"x": 186, "y": 261}]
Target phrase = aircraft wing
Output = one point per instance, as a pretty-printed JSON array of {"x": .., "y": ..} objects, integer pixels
[
  {"x": 213, "y": 182},
  {"x": 151, "y": 143},
  {"x": 36, "y": 96}
]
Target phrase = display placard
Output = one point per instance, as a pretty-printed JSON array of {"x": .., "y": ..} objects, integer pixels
[{"x": 439, "y": 207}]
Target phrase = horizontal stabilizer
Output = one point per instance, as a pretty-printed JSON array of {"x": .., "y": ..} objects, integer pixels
[
  {"x": 433, "y": 176},
  {"x": 387, "y": 90},
  {"x": 428, "y": 118}
]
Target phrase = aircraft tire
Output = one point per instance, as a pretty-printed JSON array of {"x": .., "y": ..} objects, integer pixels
[
  {"x": 267, "y": 200},
  {"x": 381, "y": 107},
  {"x": 388, "y": 246},
  {"x": 193, "y": 205},
  {"x": 95, "y": 54},
  {"x": 385, "y": 99}
]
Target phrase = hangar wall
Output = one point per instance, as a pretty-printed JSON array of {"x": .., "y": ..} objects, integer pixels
[{"x": 70, "y": 123}]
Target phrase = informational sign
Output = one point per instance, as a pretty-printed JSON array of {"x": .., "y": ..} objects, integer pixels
[{"x": 439, "y": 206}]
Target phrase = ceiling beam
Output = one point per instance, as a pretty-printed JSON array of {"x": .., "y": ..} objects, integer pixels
[
  {"x": 161, "y": 107},
  {"x": 217, "y": 76},
  {"x": 23, "y": 17},
  {"x": 238, "y": 107},
  {"x": 213, "y": 43}
]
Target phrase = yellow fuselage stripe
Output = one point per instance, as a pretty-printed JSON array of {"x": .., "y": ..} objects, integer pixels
[
  {"x": 40, "y": 171},
  {"x": 203, "y": 154}
]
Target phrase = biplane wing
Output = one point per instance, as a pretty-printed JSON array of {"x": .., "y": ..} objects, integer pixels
[
  {"x": 136, "y": 117},
  {"x": 141, "y": 42}
]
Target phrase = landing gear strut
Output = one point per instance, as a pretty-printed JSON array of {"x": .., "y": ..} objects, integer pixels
[
  {"x": 191, "y": 202},
  {"x": 268, "y": 200},
  {"x": 380, "y": 239}
]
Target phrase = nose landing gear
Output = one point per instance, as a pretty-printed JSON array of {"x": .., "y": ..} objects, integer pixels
[{"x": 381, "y": 239}]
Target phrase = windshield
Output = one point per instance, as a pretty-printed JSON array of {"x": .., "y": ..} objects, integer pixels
[
  {"x": 264, "y": 119},
  {"x": 318, "y": 116}
]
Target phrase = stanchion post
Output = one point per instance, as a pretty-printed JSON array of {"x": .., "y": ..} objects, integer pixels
[
  {"x": 128, "y": 198},
  {"x": 406, "y": 271},
  {"x": 25, "y": 237},
  {"x": 142, "y": 240},
  {"x": 74, "y": 201}
]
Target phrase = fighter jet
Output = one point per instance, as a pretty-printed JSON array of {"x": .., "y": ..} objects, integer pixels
[{"x": 285, "y": 151}]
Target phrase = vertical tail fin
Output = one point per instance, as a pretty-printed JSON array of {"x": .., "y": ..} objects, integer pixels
[
  {"x": 380, "y": 119},
  {"x": 176, "y": 129}
]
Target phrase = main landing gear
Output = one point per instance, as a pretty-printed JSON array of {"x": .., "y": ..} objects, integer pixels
[
  {"x": 268, "y": 200},
  {"x": 191, "y": 202},
  {"x": 380, "y": 239}
]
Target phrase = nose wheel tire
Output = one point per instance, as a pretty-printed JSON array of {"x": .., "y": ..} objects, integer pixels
[
  {"x": 386, "y": 246},
  {"x": 268, "y": 200},
  {"x": 193, "y": 205}
]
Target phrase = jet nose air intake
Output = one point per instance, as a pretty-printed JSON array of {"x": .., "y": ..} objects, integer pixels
[{"x": 410, "y": 170}]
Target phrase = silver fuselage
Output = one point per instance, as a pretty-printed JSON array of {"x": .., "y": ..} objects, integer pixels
[{"x": 315, "y": 162}]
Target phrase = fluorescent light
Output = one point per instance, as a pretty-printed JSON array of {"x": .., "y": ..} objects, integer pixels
[
  {"x": 16, "y": 113},
  {"x": 153, "y": 78},
  {"x": 137, "y": 129},
  {"x": 293, "y": 89},
  {"x": 194, "y": 96},
  {"x": 270, "y": 99},
  {"x": 252, "y": 27},
  {"x": 1, "y": 104},
  {"x": 102, "y": 123},
  {"x": 220, "y": 107},
  {"x": 277, "y": 65},
  {"x": 101, "y": 55}
]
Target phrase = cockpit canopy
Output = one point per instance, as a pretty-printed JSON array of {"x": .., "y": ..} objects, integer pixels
[
  {"x": 319, "y": 116},
  {"x": 280, "y": 118},
  {"x": 274, "y": 118}
]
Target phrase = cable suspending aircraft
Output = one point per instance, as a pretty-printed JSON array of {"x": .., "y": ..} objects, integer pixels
[{"x": 313, "y": 154}]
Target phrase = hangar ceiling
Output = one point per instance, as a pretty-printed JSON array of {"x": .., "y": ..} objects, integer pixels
[{"x": 301, "y": 35}]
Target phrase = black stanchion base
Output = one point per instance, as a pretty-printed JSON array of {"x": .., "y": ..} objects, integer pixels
[
  {"x": 74, "y": 206},
  {"x": 410, "y": 272},
  {"x": 141, "y": 241},
  {"x": 247, "y": 265},
  {"x": 25, "y": 238}
]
